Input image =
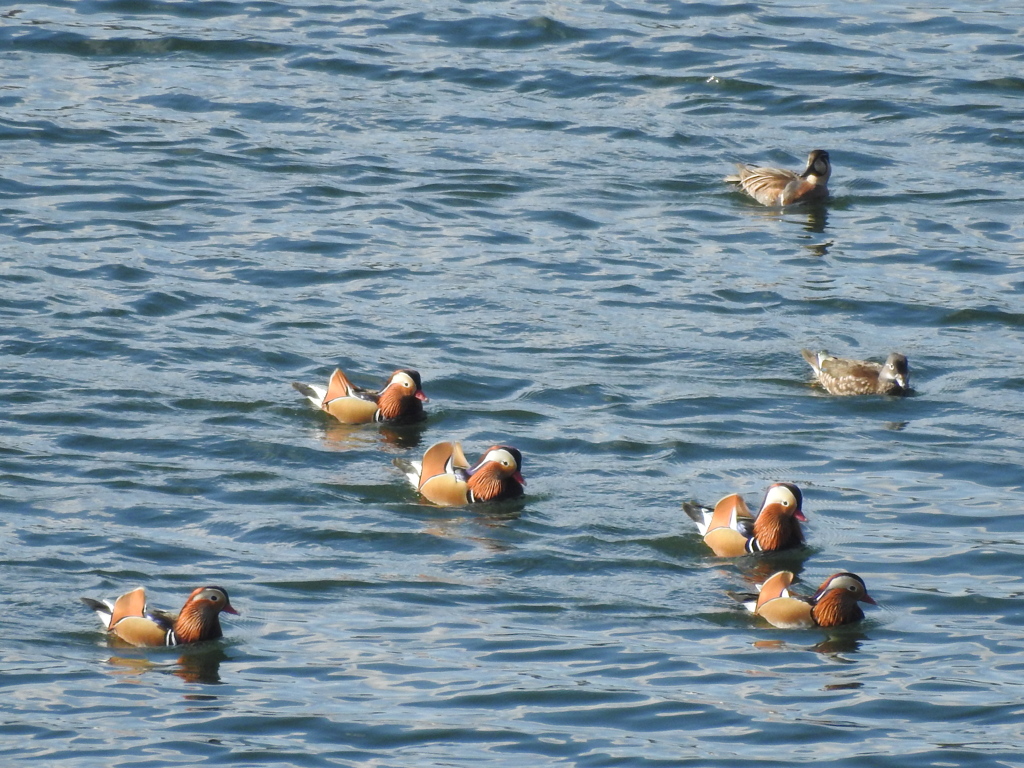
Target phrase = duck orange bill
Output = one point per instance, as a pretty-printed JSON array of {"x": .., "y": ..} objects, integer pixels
[
  {"x": 228, "y": 609},
  {"x": 800, "y": 516},
  {"x": 518, "y": 477},
  {"x": 421, "y": 395},
  {"x": 868, "y": 599}
]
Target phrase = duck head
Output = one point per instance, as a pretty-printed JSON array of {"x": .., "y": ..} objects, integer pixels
[
  {"x": 818, "y": 167},
  {"x": 776, "y": 525},
  {"x": 835, "y": 602},
  {"x": 199, "y": 618},
  {"x": 784, "y": 499},
  {"x": 497, "y": 475},
  {"x": 896, "y": 370},
  {"x": 402, "y": 395}
]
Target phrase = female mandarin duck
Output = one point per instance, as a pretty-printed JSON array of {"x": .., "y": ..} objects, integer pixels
[
  {"x": 399, "y": 402},
  {"x": 775, "y": 186},
  {"x": 445, "y": 477},
  {"x": 860, "y": 377},
  {"x": 731, "y": 530},
  {"x": 834, "y": 604},
  {"x": 133, "y": 621}
]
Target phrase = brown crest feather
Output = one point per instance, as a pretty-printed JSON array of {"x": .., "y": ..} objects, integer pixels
[{"x": 776, "y": 528}]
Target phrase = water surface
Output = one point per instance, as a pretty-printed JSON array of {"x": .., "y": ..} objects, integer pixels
[{"x": 203, "y": 202}]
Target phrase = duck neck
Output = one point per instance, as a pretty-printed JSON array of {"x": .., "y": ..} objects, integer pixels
[
  {"x": 391, "y": 404},
  {"x": 195, "y": 625},
  {"x": 775, "y": 529},
  {"x": 486, "y": 484},
  {"x": 835, "y": 608}
]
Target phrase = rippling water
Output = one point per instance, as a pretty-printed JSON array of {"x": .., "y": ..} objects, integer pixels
[{"x": 202, "y": 202}]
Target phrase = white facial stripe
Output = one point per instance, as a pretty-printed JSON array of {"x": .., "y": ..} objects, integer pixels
[
  {"x": 844, "y": 582},
  {"x": 501, "y": 456},
  {"x": 781, "y": 495},
  {"x": 404, "y": 380}
]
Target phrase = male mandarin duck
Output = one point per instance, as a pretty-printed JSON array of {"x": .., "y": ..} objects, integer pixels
[
  {"x": 133, "y": 621},
  {"x": 834, "y": 604},
  {"x": 445, "y": 476},
  {"x": 731, "y": 530},
  {"x": 399, "y": 402},
  {"x": 860, "y": 377},
  {"x": 775, "y": 186}
]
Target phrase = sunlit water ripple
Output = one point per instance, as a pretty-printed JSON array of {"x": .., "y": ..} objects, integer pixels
[{"x": 203, "y": 202}]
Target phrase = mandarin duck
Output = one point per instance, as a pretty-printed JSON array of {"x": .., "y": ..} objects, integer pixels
[
  {"x": 860, "y": 377},
  {"x": 834, "y": 604},
  {"x": 445, "y": 477},
  {"x": 775, "y": 186},
  {"x": 399, "y": 402},
  {"x": 133, "y": 621},
  {"x": 731, "y": 530}
]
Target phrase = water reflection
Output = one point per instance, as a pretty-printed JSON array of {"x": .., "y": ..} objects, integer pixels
[
  {"x": 819, "y": 249},
  {"x": 833, "y": 646},
  {"x": 842, "y": 686},
  {"x": 845, "y": 642},
  {"x": 817, "y": 220},
  {"x": 817, "y": 216},
  {"x": 757, "y": 570},
  {"x": 200, "y": 664},
  {"x": 347, "y": 437},
  {"x": 403, "y": 437},
  {"x": 496, "y": 516},
  {"x": 815, "y": 223}
]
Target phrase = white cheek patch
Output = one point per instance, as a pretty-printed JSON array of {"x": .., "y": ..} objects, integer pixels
[
  {"x": 782, "y": 495},
  {"x": 502, "y": 457},
  {"x": 843, "y": 582}
]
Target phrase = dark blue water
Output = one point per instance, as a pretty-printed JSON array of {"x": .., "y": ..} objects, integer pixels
[{"x": 201, "y": 202}]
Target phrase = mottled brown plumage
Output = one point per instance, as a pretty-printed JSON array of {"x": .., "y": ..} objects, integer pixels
[
  {"x": 731, "y": 530},
  {"x": 399, "y": 402},
  {"x": 777, "y": 187},
  {"x": 840, "y": 376}
]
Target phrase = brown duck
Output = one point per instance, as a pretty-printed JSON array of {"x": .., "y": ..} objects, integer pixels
[
  {"x": 130, "y": 619},
  {"x": 840, "y": 376},
  {"x": 834, "y": 604},
  {"x": 445, "y": 477},
  {"x": 731, "y": 530},
  {"x": 776, "y": 187},
  {"x": 399, "y": 402}
]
